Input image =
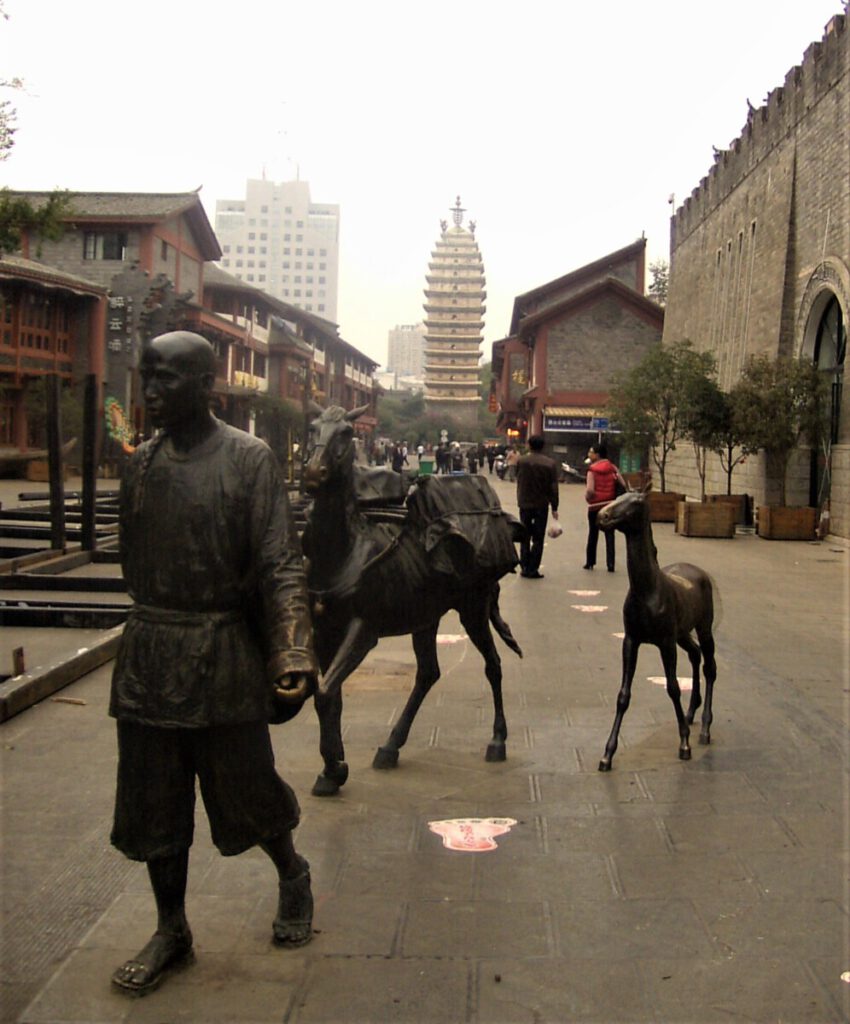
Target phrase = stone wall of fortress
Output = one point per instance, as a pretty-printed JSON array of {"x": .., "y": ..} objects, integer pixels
[{"x": 763, "y": 243}]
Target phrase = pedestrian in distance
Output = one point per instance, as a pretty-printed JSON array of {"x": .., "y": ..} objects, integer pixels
[
  {"x": 218, "y": 644},
  {"x": 511, "y": 461},
  {"x": 537, "y": 490},
  {"x": 603, "y": 478}
]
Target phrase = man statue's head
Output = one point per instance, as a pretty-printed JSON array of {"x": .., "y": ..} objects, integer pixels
[{"x": 178, "y": 373}]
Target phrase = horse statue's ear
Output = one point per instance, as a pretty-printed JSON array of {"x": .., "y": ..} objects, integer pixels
[
  {"x": 314, "y": 408},
  {"x": 355, "y": 414}
]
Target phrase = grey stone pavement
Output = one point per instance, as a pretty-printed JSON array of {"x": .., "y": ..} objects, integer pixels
[{"x": 709, "y": 890}]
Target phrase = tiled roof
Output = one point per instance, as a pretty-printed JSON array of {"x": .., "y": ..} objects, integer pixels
[
  {"x": 31, "y": 270},
  {"x": 140, "y": 205}
]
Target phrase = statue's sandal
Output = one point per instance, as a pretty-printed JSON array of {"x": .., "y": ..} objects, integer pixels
[
  {"x": 146, "y": 971},
  {"x": 293, "y": 925}
]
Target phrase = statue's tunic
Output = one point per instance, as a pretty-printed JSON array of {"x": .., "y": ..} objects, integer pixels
[{"x": 212, "y": 561}]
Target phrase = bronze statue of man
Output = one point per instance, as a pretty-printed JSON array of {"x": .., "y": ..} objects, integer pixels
[{"x": 218, "y": 644}]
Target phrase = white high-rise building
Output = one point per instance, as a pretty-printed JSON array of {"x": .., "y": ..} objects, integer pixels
[
  {"x": 277, "y": 239},
  {"x": 405, "y": 350}
]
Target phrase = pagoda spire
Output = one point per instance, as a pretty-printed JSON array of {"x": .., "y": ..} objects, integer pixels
[{"x": 457, "y": 213}]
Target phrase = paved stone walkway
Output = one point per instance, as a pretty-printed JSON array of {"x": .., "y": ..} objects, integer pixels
[{"x": 698, "y": 891}]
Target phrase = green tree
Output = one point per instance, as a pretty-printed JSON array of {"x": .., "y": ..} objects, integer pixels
[
  {"x": 649, "y": 403},
  {"x": 704, "y": 409},
  {"x": 660, "y": 271},
  {"x": 777, "y": 404}
]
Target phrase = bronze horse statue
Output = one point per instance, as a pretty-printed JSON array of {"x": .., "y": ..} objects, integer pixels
[
  {"x": 371, "y": 576},
  {"x": 663, "y": 607}
]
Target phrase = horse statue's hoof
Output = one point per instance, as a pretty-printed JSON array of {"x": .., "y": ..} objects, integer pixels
[
  {"x": 685, "y": 755},
  {"x": 329, "y": 783},
  {"x": 385, "y": 757},
  {"x": 496, "y": 752},
  {"x": 605, "y": 766}
]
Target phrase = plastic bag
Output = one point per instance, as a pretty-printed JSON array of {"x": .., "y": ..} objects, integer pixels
[{"x": 555, "y": 530}]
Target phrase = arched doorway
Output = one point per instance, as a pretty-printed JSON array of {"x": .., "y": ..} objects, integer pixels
[{"x": 830, "y": 349}]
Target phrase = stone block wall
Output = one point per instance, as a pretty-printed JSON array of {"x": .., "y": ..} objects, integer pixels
[{"x": 586, "y": 348}]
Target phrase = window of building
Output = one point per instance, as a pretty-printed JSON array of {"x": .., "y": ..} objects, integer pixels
[
  {"x": 225, "y": 262},
  {"x": 285, "y": 265},
  {"x": 104, "y": 245},
  {"x": 250, "y": 263},
  {"x": 299, "y": 223},
  {"x": 321, "y": 280},
  {"x": 252, "y": 236},
  {"x": 323, "y": 252},
  {"x": 264, "y": 209},
  {"x": 250, "y": 277},
  {"x": 311, "y": 252},
  {"x": 322, "y": 266},
  {"x": 262, "y": 277},
  {"x": 250, "y": 248},
  {"x": 287, "y": 209},
  {"x": 297, "y": 292},
  {"x": 263, "y": 249},
  {"x": 297, "y": 252},
  {"x": 264, "y": 237},
  {"x": 298, "y": 279},
  {"x": 225, "y": 248},
  {"x": 259, "y": 364},
  {"x": 286, "y": 291},
  {"x": 163, "y": 250},
  {"x": 299, "y": 238},
  {"x": 239, "y": 248},
  {"x": 239, "y": 263}
]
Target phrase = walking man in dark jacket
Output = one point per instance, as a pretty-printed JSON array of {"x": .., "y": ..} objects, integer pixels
[{"x": 537, "y": 489}]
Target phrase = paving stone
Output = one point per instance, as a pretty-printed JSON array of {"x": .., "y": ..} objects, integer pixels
[
  {"x": 479, "y": 928},
  {"x": 740, "y": 988},
  {"x": 556, "y": 990}
]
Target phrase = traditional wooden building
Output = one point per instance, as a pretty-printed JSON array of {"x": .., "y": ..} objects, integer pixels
[
  {"x": 51, "y": 322},
  {"x": 568, "y": 339}
]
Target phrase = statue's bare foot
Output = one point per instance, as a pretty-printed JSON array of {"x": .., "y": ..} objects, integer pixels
[
  {"x": 163, "y": 953},
  {"x": 293, "y": 925}
]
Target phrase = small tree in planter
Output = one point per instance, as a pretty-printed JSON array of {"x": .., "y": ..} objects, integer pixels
[
  {"x": 649, "y": 404},
  {"x": 704, "y": 408},
  {"x": 776, "y": 405}
]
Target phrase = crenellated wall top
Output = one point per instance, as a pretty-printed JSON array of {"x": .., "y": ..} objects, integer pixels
[{"x": 824, "y": 64}]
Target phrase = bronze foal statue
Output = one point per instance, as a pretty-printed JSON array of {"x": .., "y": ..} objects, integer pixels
[{"x": 664, "y": 607}]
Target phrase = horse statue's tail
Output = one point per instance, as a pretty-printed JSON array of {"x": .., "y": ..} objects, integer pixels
[{"x": 499, "y": 624}]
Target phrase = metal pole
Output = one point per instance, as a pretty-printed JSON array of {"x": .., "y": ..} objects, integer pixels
[
  {"x": 54, "y": 462},
  {"x": 90, "y": 421}
]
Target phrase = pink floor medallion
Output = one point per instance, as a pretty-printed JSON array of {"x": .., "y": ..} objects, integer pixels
[{"x": 471, "y": 835}]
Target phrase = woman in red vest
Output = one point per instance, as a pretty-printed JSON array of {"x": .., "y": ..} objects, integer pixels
[{"x": 602, "y": 479}]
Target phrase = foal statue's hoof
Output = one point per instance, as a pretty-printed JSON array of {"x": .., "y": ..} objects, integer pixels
[
  {"x": 604, "y": 766},
  {"x": 685, "y": 755},
  {"x": 704, "y": 740},
  {"x": 496, "y": 752},
  {"x": 385, "y": 757}
]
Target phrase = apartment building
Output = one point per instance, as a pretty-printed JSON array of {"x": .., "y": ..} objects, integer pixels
[{"x": 278, "y": 239}]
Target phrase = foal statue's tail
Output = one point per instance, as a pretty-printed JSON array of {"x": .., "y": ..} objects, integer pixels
[{"x": 499, "y": 624}]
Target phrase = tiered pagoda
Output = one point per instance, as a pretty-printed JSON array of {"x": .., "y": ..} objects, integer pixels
[{"x": 454, "y": 321}]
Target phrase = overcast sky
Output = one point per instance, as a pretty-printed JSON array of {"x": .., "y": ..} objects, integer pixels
[{"x": 563, "y": 125}]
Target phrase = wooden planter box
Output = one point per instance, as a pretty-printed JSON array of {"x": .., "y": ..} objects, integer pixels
[
  {"x": 778, "y": 523},
  {"x": 695, "y": 519},
  {"x": 662, "y": 506},
  {"x": 742, "y": 503}
]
